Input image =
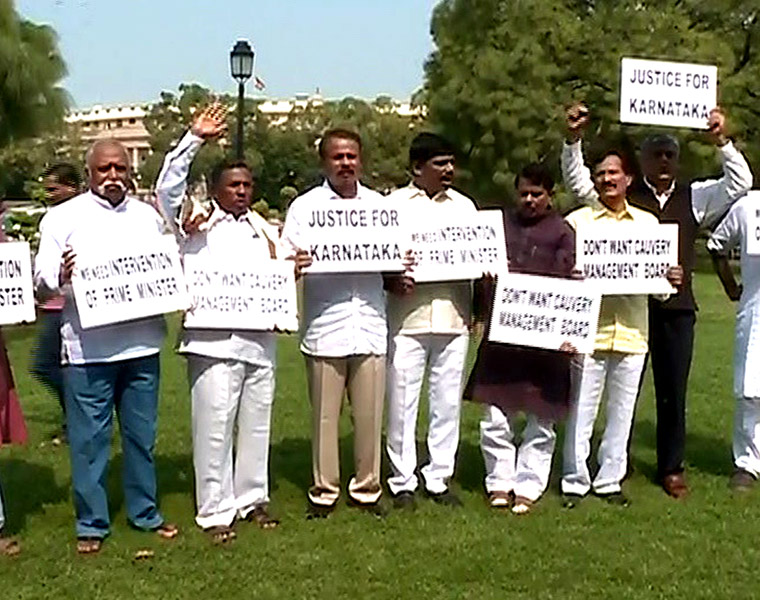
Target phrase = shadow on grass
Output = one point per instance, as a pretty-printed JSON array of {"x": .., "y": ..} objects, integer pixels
[
  {"x": 27, "y": 488},
  {"x": 704, "y": 453}
]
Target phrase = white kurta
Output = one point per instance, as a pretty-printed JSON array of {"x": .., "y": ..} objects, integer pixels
[{"x": 731, "y": 233}]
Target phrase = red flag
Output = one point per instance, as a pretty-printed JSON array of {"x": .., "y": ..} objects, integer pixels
[{"x": 258, "y": 83}]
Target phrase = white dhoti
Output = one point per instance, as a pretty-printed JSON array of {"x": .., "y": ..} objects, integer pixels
[
  {"x": 229, "y": 395},
  {"x": 524, "y": 470}
]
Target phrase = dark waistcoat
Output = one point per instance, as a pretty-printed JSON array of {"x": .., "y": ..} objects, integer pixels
[{"x": 678, "y": 210}]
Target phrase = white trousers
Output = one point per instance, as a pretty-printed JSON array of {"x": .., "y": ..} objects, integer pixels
[
  {"x": 2, "y": 511},
  {"x": 524, "y": 471},
  {"x": 230, "y": 394},
  {"x": 408, "y": 358},
  {"x": 746, "y": 443},
  {"x": 619, "y": 375}
]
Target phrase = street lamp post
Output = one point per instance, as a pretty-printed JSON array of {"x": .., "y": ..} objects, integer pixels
[{"x": 241, "y": 67}]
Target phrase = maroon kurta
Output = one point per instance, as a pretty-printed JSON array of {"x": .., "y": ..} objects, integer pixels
[{"x": 518, "y": 378}]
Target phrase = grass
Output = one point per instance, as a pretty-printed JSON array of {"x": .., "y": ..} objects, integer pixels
[{"x": 704, "y": 547}]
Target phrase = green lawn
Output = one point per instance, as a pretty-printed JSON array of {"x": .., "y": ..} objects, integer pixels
[{"x": 704, "y": 547}]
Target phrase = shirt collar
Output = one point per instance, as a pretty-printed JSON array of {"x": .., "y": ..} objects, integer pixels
[
  {"x": 417, "y": 191},
  {"x": 106, "y": 204},
  {"x": 666, "y": 194},
  {"x": 334, "y": 195},
  {"x": 602, "y": 211},
  {"x": 219, "y": 215}
]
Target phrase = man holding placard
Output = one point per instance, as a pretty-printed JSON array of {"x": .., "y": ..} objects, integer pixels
[
  {"x": 114, "y": 366},
  {"x": 231, "y": 368},
  {"x": 429, "y": 325},
  {"x": 737, "y": 230},
  {"x": 691, "y": 206},
  {"x": 512, "y": 378},
  {"x": 343, "y": 336},
  {"x": 619, "y": 351}
]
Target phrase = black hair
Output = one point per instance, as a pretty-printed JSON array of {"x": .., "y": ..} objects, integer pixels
[
  {"x": 428, "y": 145},
  {"x": 65, "y": 174},
  {"x": 340, "y": 134},
  {"x": 660, "y": 140},
  {"x": 625, "y": 160},
  {"x": 226, "y": 165},
  {"x": 537, "y": 174}
]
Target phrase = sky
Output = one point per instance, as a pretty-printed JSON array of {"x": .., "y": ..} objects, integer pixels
[{"x": 126, "y": 51}]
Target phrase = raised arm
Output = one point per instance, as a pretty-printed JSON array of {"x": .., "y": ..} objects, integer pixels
[
  {"x": 575, "y": 173},
  {"x": 172, "y": 180},
  {"x": 712, "y": 198},
  {"x": 726, "y": 237}
]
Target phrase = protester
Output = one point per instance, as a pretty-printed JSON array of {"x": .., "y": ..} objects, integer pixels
[
  {"x": 109, "y": 367},
  {"x": 671, "y": 322},
  {"x": 344, "y": 341},
  {"x": 428, "y": 330},
  {"x": 510, "y": 379},
  {"x": 231, "y": 372},
  {"x": 734, "y": 232},
  {"x": 12, "y": 426},
  {"x": 619, "y": 352},
  {"x": 61, "y": 182}
]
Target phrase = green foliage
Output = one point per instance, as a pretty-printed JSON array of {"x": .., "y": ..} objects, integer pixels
[
  {"x": 502, "y": 72},
  {"x": 31, "y": 67},
  {"x": 283, "y": 155}
]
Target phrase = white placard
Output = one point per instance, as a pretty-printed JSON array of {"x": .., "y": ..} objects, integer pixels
[
  {"x": 627, "y": 258},
  {"x": 16, "y": 290},
  {"x": 544, "y": 312},
  {"x": 675, "y": 94},
  {"x": 753, "y": 223},
  {"x": 459, "y": 247},
  {"x": 345, "y": 236},
  {"x": 128, "y": 281},
  {"x": 257, "y": 295}
]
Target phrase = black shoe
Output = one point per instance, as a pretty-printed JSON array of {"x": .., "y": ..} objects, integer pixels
[
  {"x": 570, "y": 501},
  {"x": 741, "y": 481},
  {"x": 404, "y": 501},
  {"x": 616, "y": 499},
  {"x": 319, "y": 511},
  {"x": 376, "y": 509},
  {"x": 447, "y": 498}
]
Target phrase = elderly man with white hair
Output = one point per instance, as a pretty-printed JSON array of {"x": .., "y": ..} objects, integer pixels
[{"x": 109, "y": 367}]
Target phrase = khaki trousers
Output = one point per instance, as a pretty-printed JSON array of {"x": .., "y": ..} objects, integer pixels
[{"x": 363, "y": 376}]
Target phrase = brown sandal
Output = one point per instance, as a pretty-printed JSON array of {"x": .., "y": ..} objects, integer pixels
[
  {"x": 522, "y": 505},
  {"x": 89, "y": 545},
  {"x": 500, "y": 500},
  {"x": 221, "y": 534},
  {"x": 261, "y": 517},
  {"x": 167, "y": 531},
  {"x": 9, "y": 546}
]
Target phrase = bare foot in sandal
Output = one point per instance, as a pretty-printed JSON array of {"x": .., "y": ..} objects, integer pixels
[
  {"x": 261, "y": 517},
  {"x": 220, "y": 535},
  {"x": 522, "y": 505},
  {"x": 167, "y": 531},
  {"x": 89, "y": 545},
  {"x": 9, "y": 546}
]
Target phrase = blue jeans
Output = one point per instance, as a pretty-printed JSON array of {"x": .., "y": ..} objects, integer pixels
[
  {"x": 46, "y": 356},
  {"x": 92, "y": 392}
]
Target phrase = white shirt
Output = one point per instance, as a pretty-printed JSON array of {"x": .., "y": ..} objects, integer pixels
[
  {"x": 222, "y": 238},
  {"x": 709, "y": 199},
  {"x": 88, "y": 220},
  {"x": 435, "y": 307},
  {"x": 344, "y": 313},
  {"x": 732, "y": 232}
]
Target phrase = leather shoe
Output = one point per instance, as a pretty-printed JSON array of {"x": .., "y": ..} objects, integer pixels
[
  {"x": 675, "y": 486},
  {"x": 741, "y": 481}
]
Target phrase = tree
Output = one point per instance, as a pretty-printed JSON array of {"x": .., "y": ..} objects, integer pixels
[
  {"x": 502, "y": 72},
  {"x": 31, "y": 67}
]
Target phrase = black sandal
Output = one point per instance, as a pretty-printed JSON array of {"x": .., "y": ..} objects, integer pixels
[{"x": 221, "y": 534}]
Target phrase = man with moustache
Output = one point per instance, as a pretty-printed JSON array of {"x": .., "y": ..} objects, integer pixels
[
  {"x": 429, "y": 324},
  {"x": 692, "y": 206},
  {"x": 110, "y": 367},
  {"x": 619, "y": 352},
  {"x": 509, "y": 379},
  {"x": 343, "y": 339},
  {"x": 231, "y": 372}
]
